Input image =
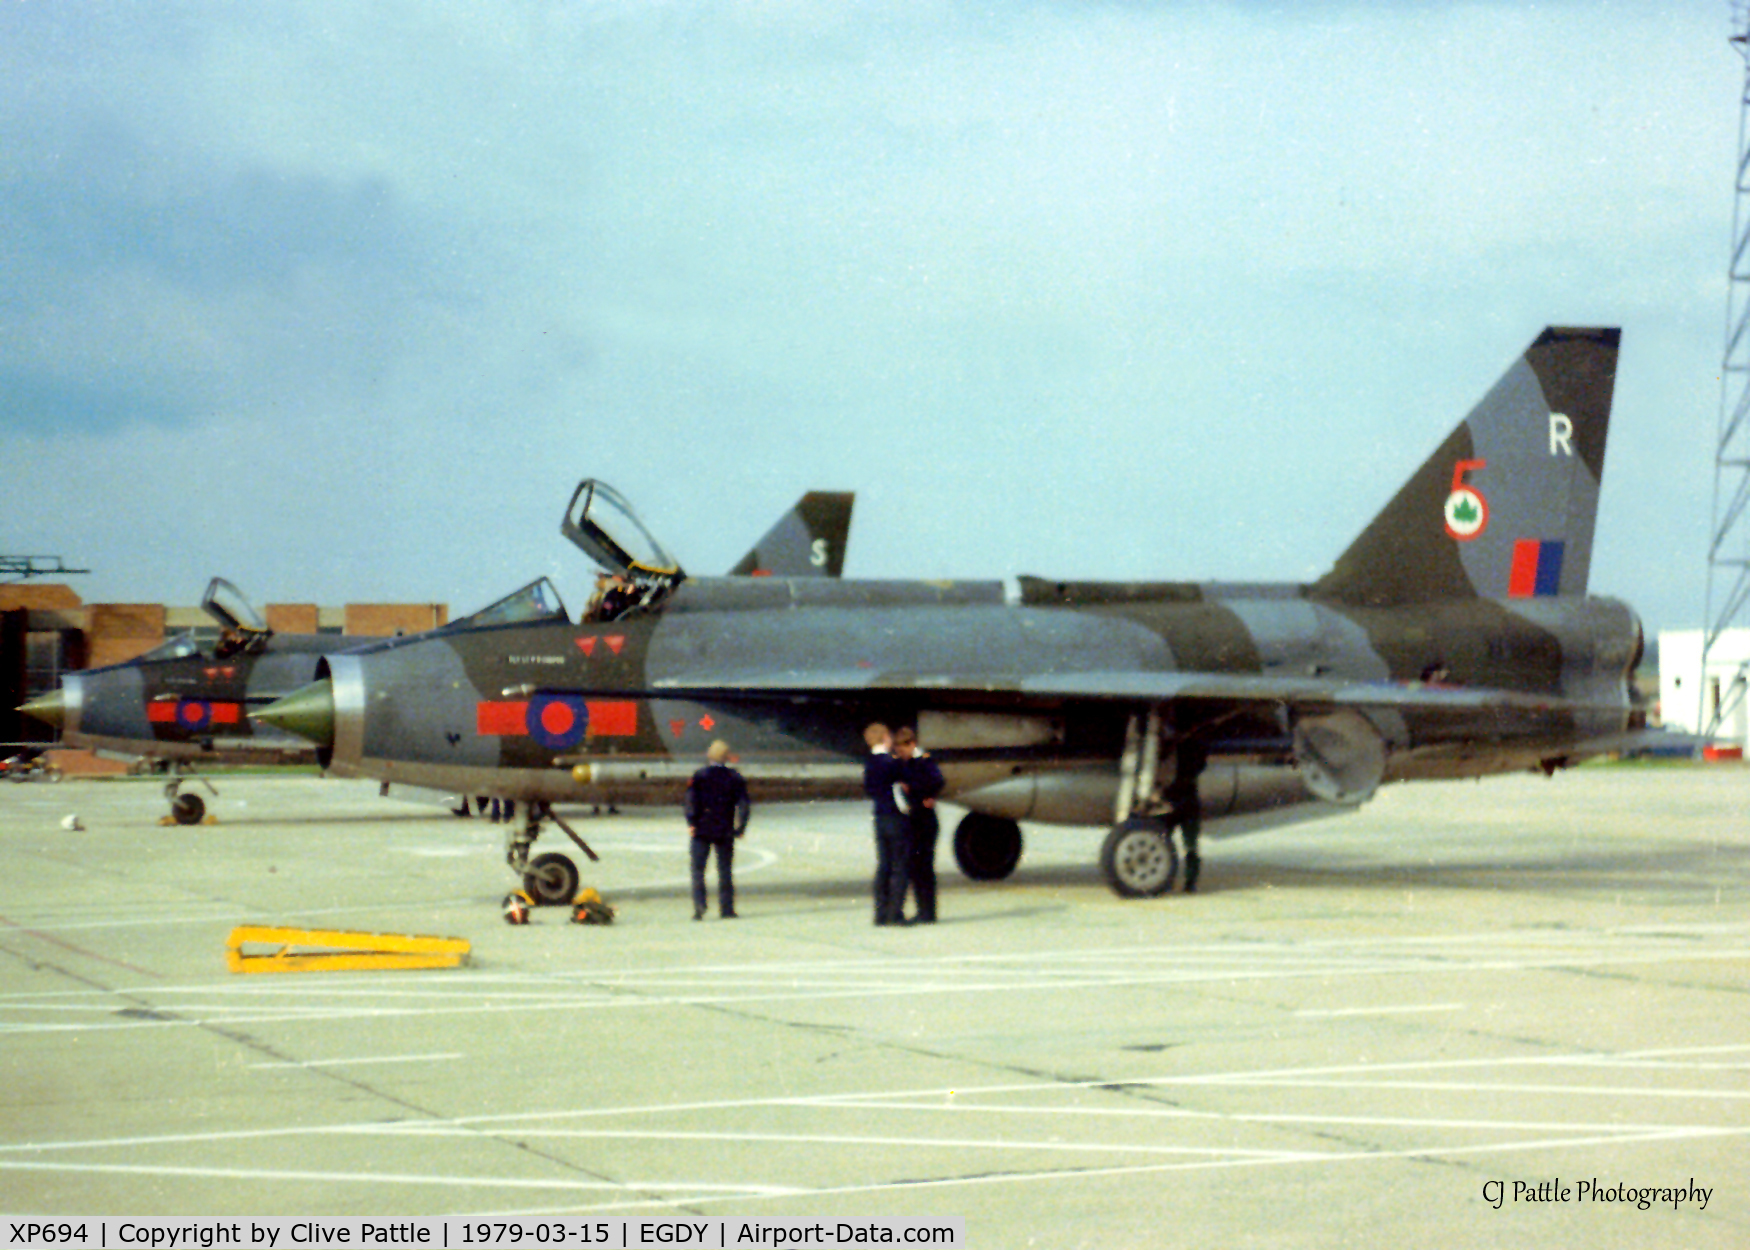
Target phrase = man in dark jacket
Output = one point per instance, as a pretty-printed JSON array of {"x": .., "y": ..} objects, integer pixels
[
  {"x": 921, "y": 781},
  {"x": 881, "y": 775},
  {"x": 717, "y": 810}
]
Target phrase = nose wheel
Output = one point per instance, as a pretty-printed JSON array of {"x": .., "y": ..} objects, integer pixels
[
  {"x": 187, "y": 809},
  {"x": 550, "y": 879}
]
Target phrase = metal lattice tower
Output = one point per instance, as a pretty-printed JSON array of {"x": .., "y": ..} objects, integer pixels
[
  {"x": 23, "y": 568},
  {"x": 1728, "y": 561}
]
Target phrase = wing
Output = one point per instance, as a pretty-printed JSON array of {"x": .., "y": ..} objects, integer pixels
[{"x": 1042, "y": 690}]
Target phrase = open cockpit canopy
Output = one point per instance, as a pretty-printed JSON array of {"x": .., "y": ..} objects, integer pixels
[
  {"x": 226, "y": 605},
  {"x": 244, "y": 629},
  {"x": 637, "y": 573},
  {"x": 604, "y": 527}
]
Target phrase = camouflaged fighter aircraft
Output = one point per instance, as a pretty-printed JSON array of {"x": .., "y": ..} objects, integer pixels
[
  {"x": 186, "y": 702},
  {"x": 1453, "y": 638}
]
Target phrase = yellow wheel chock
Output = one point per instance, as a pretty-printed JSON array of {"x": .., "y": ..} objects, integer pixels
[{"x": 336, "y": 950}]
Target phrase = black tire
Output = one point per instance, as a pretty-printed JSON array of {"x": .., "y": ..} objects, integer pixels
[
  {"x": 551, "y": 880},
  {"x": 987, "y": 848},
  {"x": 1139, "y": 858},
  {"x": 187, "y": 809}
]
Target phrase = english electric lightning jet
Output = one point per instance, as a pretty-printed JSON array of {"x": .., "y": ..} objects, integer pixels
[
  {"x": 1453, "y": 638},
  {"x": 187, "y": 702}
]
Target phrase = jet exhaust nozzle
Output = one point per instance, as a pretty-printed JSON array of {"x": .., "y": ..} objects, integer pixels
[{"x": 308, "y": 713}]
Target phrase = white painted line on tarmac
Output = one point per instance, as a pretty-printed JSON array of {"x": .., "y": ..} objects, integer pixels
[
  {"x": 874, "y": 988},
  {"x": 1286, "y": 1158},
  {"x": 1143, "y": 1113},
  {"x": 905, "y": 1143},
  {"x": 1331, "y": 1012},
  {"x": 1207, "y": 1159},
  {"x": 399, "y": 1178},
  {"x": 963, "y": 1099},
  {"x": 1591, "y": 1091},
  {"x": 337, "y": 1063}
]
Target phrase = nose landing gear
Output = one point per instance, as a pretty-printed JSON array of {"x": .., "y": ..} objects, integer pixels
[
  {"x": 186, "y": 809},
  {"x": 550, "y": 879}
]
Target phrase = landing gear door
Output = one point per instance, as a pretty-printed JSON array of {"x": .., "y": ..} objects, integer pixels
[{"x": 604, "y": 527}]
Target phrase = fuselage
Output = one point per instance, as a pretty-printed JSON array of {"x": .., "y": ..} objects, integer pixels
[
  {"x": 185, "y": 702},
  {"x": 990, "y": 673}
]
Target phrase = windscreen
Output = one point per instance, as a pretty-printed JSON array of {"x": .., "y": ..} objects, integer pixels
[
  {"x": 178, "y": 648},
  {"x": 538, "y": 601}
]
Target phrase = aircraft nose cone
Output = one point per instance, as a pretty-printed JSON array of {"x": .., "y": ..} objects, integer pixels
[
  {"x": 309, "y": 713},
  {"x": 50, "y": 708}
]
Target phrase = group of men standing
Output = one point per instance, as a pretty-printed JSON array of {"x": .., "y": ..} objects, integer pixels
[
  {"x": 900, "y": 777},
  {"x": 903, "y": 781}
]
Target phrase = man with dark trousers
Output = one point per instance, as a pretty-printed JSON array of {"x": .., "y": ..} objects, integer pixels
[
  {"x": 1188, "y": 806},
  {"x": 717, "y": 809},
  {"x": 881, "y": 775},
  {"x": 921, "y": 783}
]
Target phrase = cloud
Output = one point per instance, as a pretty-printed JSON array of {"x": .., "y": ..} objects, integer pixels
[
  {"x": 151, "y": 283},
  {"x": 1120, "y": 290},
  {"x": 40, "y": 403}
]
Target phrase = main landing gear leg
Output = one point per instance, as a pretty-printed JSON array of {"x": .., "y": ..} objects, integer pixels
[{"x": 1138, "y": 857}]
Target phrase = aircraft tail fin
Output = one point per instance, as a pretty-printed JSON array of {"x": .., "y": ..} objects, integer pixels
[
  {"x": 1505, "y": 508},
  {"x": 808, "y": 541}
]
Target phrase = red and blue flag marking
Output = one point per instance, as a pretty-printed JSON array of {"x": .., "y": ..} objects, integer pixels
[
  {"x": 557, "y": 721},
  {"x": 193, "y": 714},
  {"x": 1537, "y": 568}
]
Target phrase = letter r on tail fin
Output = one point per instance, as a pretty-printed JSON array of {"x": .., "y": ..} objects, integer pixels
[{"x": 1505, "y": 508}]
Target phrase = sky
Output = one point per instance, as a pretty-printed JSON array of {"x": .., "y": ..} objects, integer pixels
[{"x": 340, "y": 301}]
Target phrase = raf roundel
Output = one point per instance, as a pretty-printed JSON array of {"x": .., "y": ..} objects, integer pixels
[{"x": 558, "y": 721}]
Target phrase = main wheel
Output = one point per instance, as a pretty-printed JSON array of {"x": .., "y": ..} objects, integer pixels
[
  {"x": 1139, "y": 858},
  {"x": 987, "y": 848},
  {"x": 187, "y": 809},
  {"x": 551, "y": 880}
]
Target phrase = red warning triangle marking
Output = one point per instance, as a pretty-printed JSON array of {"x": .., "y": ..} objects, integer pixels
[
  {"x": 677, "y": 727},
  {"x": 587, "y": 645},
  {"x": 615, "y": 642}
]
